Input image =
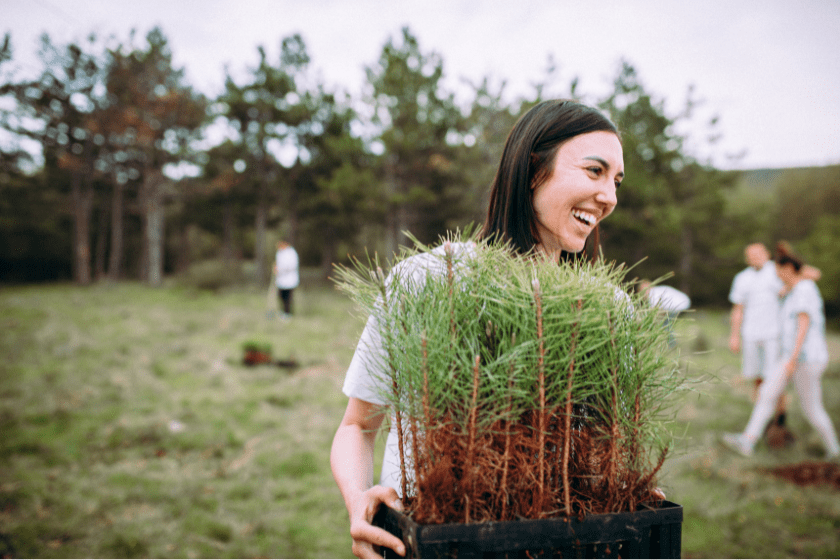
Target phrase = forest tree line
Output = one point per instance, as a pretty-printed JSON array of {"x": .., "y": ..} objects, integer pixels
[{"x": 120, "y": 169}]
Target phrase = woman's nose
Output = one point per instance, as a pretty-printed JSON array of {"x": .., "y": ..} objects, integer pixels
[{"x": 606, "y": 195}]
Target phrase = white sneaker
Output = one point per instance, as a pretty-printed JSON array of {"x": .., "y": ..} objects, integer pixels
[{"x": 738, "y": 444}]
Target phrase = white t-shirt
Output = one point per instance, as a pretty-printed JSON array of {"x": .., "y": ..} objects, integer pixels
[
  {"x": 366, "y": 376},
  {"x": 804, "y": 298},
  {"x": 286, "y": 261},
  {"x": 758, "y": 291},
  {"x": 668, "y": 298}
]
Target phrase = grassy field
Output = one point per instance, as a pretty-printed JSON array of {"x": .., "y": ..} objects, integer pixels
[{"x": 130, "y": 428}]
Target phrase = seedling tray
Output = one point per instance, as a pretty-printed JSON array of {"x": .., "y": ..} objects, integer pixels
[{"x": 650, "y": 532}]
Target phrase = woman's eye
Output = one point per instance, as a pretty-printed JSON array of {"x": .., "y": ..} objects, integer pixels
[
  {"x": 595, "y": 170},
  {"x": 617, "y": 184}
]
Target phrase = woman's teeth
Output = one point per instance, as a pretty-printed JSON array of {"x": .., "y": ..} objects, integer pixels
[{"x": 585, "y": 217}]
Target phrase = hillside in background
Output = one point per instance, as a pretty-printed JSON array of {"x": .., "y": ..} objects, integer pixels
[{"x": 766, "y": 182}]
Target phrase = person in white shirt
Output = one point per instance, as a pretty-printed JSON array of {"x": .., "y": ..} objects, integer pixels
[
  {"x": 669, "y": 300},
  {"x": 754, "y": 324},
  {"x": 286, "y": 275},
  {"x": 557, "y": 179},
  {"x": 804, "y": 359}
]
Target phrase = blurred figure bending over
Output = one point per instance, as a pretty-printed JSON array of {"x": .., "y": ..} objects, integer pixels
[
  {"x": 754, "y": 324},
  {"x": 804, "y": 358},
  {"x": 670, "y": 301}
]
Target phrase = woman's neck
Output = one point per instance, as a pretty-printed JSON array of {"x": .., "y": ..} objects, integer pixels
[
  {"x": 793, "y": 281},
  {"x": 550, "y": 253}
]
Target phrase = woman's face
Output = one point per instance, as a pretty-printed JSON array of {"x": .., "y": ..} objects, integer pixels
[
  {"x": 786, "y": 273},
  {"x": 580, "y": 191}
]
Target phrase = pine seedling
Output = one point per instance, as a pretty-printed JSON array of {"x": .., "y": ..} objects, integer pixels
[{"x": 519, "y": 387}]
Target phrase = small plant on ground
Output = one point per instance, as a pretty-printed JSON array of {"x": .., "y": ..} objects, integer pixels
[
  {"x": 520, "y": 388},
  {"x": 256, "y": 352}
]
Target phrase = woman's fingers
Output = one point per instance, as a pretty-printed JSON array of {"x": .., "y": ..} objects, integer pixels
[
  {"x": 365, "y": 535},
  {"x": 383, "y": 495}
]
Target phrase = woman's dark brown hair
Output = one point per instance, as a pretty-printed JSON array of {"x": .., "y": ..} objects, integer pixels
[
  {"x": 786, "y": 255},
  {"x": 528, "y": 160}
]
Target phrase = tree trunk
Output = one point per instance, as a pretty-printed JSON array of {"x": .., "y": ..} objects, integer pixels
[
  {"x": 291, "y": 233},
  {"x": 259, "y": 234},
  {"x": 184, "y": 251},
  {"x": 101, "y": 244},
  {"x": 82, "y": 200},
  {"x": 227, "y": 233},
  {"x": 115, "y": 258},
  {"x": 392, "y": 218},
  {"x": 153, "y": 217},
  {"x": 686, "y": 259},
  {"x": 328, "y": 249}
]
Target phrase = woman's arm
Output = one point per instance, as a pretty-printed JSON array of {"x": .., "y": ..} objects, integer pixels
[
  {"x": 811, "y": 273},
  {"x": 803, "y": 321},
  {"x": 351, "y": 459}
]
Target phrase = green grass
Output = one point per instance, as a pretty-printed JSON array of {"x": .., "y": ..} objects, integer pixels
[{"x": 130, "y": 428}]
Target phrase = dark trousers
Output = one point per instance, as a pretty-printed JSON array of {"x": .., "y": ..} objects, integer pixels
[{"x": 286, "y": 297}]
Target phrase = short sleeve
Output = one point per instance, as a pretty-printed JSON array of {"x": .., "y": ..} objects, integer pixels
[
  {"x": 811, "y": 302},
  {"x": 738, "y": 293},
  {"x": 366, "y": 378},
  {"x": 799, "y": 302}
]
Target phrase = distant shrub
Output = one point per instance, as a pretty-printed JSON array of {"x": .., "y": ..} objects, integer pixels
[{"x": 213, "y": 275}]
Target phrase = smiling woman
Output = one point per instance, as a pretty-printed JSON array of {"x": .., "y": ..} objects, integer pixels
[
  {"x": 580, "y": 191},
  {"x": 556, "y": 181}
]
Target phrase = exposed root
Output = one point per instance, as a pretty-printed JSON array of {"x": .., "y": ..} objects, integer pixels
[{"x": 492, "y": 475}]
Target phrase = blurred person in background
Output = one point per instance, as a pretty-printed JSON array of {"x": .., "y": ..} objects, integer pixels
[
  {"x": 286, "y": 274},
  {"x": 804, "y": 358},
  {"x": 754, "y": 328},
  {"x": 670, "y": 301}
]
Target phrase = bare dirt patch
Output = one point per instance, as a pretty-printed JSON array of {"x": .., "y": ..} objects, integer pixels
[{"x": 810, "y": 473}]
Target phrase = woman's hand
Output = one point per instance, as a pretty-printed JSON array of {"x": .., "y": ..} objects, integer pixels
[
  {"x": 351, "y": 459},
  {"x": 366, "y": 537}
]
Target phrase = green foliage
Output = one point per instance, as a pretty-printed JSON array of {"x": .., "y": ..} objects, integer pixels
[
  {"x": 669, "y": 205},
  {"x": 212, "y": 275},
  {"x": 799, "y": 205},
  {"x": 403, "y": 155},
  {"x": 487, "y": 308},
  {"x": 803, "y": 195},
  {"x": 339, "y": 186},
  {"x": 822, "y": 249},
  {"x": 418, "y": 125},
  {"x": 257, "y": 346}
]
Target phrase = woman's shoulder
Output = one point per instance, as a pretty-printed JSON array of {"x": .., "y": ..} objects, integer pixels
[
  {"x": 809, "y": 288},
  {"x": 416, "y": 266},
  {"x": 805, "y": 294}
]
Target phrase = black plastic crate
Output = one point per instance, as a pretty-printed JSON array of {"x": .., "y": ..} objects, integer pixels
[{"x": 650, "y": 532}]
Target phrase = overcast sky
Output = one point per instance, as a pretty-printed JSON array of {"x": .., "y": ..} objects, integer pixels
[{"x": 770, "y": 68}]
